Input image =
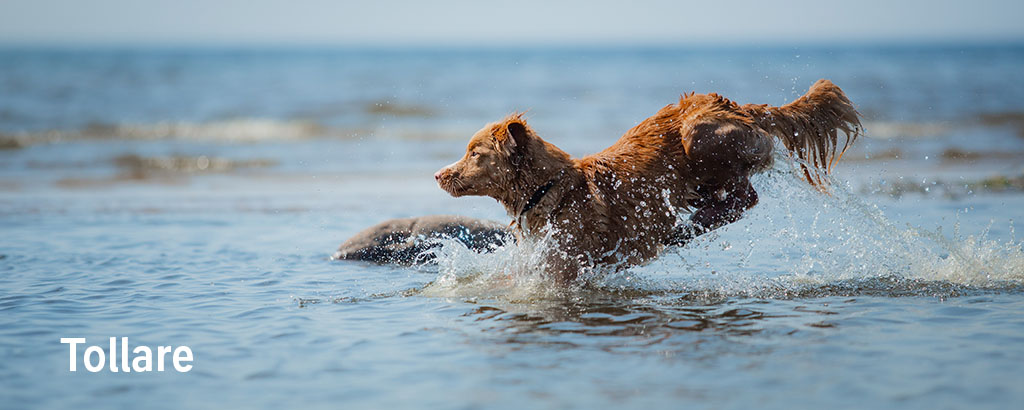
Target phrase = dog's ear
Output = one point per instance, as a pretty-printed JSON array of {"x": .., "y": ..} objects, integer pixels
[
  {"x": 513, "y": 139},
  {"x": 518, "y": 133},
  {"x": 517, "y": 140}
]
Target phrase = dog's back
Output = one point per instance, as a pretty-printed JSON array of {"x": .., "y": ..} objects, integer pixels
[{"x": 698, "y": 155}]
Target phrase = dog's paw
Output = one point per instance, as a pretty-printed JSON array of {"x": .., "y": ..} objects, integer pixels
[{"x": 683, "y": 234}]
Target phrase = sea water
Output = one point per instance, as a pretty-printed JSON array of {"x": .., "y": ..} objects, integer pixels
[{"x": 192, "y": 197}]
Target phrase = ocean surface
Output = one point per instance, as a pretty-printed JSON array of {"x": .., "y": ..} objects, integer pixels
[{"x": 194, "y": 197}]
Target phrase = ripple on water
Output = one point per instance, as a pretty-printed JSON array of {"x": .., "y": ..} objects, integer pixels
[{"x": 803, "y": 245}]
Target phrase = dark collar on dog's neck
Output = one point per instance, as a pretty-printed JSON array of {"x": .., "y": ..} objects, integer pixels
[{"x": 539, "y": 194}]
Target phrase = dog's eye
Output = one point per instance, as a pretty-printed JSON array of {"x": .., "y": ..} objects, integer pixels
[{"x": 474, "y": 154}]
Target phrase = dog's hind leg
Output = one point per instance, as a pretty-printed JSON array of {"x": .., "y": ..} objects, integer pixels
[
  {"x": 716, "y": 207},
  {"x": 721, "y": 157}
]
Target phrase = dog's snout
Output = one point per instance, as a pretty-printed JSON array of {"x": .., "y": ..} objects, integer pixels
[{"x": 444, "y": 173}]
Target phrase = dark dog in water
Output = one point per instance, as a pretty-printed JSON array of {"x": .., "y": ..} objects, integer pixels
[{"x": 407, "y": 241}]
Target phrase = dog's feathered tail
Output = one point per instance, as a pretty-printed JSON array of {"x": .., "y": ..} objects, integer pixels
[{"x": 809, "y": 126}]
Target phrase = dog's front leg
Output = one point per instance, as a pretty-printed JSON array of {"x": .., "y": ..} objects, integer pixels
[
  {"x": 564, "y": 267},
  {"x": 715, "y": 208}
]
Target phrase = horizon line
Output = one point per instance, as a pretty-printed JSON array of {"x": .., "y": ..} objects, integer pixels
[{"x": 504, "y": 45}]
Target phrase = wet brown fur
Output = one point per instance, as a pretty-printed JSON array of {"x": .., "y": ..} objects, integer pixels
[{"x": 618, "y": 207}]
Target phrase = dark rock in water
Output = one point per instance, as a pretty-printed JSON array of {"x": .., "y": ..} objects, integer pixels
[
  {"x": 406, "y": 240},
  {"x": 10, "y": 142}
]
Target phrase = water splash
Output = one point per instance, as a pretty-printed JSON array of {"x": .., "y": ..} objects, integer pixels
[
  {"x": 797, "y": 242},
  {"x": 515, "y": 272}
]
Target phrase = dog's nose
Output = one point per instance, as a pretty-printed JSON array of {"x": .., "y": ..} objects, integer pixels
[{"x": 437, "y": 176}]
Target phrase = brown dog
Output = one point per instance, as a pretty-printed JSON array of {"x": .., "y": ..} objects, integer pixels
[{"x": 618, "y": 207}]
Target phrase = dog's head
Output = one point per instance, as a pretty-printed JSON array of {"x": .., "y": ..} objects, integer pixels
[{"x": 492, "y": 162}]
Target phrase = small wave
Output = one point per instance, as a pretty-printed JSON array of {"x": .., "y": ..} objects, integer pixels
[
  {"x": 899, "y": 187},
  {"x": 386, "y": 107},
  {"x": 796, "y": 243},
  {"x": 234, "y": 130},
  {"x": 141, "y": 166},
  {"x": 161, "y": 169},
  {"x": 887, "y": 130},
  {"x": 1013, "y": 119}
]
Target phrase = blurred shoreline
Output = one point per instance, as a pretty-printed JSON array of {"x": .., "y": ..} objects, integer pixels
[{"x": 940, "y": 119}]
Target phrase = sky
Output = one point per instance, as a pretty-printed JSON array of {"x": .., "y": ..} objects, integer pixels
[{"x": 509, "y": 23}]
